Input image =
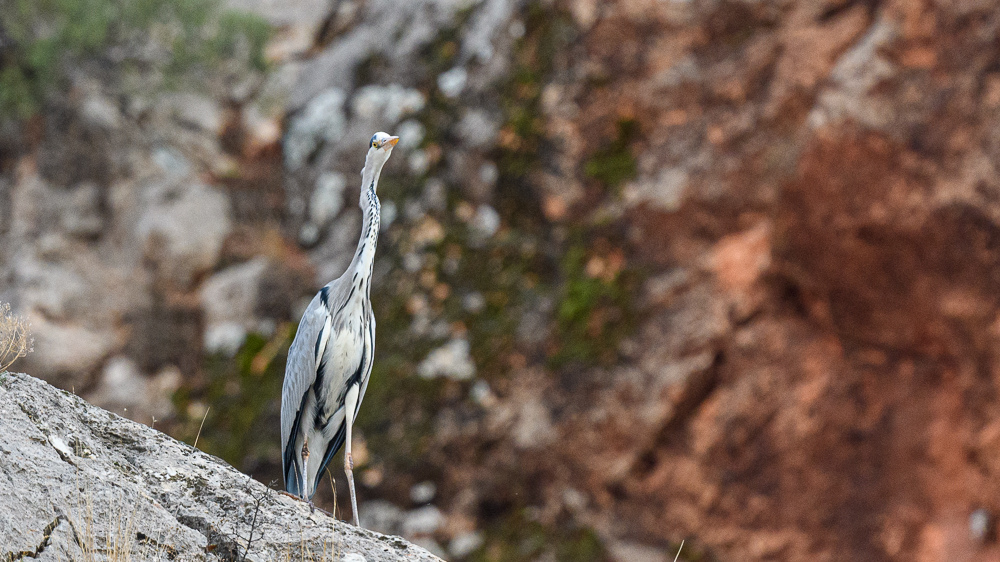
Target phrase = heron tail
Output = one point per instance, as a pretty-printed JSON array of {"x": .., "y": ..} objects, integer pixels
[{"x": 292, "y": 479}]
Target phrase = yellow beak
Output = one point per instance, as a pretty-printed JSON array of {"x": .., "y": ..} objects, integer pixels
[{"x": 391, "y": 142}]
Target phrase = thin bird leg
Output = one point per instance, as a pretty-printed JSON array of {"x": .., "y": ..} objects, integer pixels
[
  {"x": 305, "y": 462},
  {"x": 351, "y": 406}
]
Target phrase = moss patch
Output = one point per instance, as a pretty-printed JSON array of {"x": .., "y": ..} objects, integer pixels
[
  {"x": 596, "y": 308},
  {"x": 517, "y": 538},
  {"x": 614, "y": 164},
  {"x": 49, "y": 37}
]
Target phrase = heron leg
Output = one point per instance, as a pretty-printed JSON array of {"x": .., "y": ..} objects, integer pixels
[
  {"x": 305, "y": 463},
  {"x": 351, "y": 406}
]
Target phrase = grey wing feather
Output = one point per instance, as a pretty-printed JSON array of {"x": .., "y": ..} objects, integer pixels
[{"x": 300, "y": 372}]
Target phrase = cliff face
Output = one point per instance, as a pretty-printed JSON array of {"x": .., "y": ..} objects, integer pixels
[
  {"x": 84, "y": 484},
  {"x": 723, "y": 271}
]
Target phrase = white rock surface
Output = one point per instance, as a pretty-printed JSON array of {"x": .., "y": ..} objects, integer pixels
[
  {"x": 229, "y": 299},
  {"x": 451, "y": 360},
  {"x": 68, "y": 348},
  {"x": 78, "y": 475},
  {"x": 322, "y": 119},
  {"x": 452, "y": 82},
  {"x": 183, "y": 230},
  {"x": 422, "y": 521},
  {"x": 328, "y": 197}
]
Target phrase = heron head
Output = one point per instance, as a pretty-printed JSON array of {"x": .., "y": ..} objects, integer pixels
[
  {"x": 379, "y": 149},
  {"x": 382, "y": 141}
]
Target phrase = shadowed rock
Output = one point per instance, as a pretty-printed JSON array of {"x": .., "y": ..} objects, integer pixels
[{"x": 80, "y": 483}]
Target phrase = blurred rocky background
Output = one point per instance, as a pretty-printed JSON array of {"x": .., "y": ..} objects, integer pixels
[{"x": 721, "y": 271}]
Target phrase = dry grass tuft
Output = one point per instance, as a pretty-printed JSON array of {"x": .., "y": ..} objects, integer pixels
[{"x": 15, "y": 337}]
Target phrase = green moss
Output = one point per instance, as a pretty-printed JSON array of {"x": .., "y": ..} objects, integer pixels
[
  {"x": 614, "y": 164},
  {"x": 51, "y": 36},
  {"x": 518, "y": 538},
  {"x": 594, "y": 312},
  {"x": 522, "y": 138}
]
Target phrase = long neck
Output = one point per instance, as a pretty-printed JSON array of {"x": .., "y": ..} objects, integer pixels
[
  {"x": 370, "y": 209},
  {"x": 364, "y": 257}
]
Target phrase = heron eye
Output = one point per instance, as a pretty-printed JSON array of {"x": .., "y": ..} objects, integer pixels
[{"x": 373, "y": 143}]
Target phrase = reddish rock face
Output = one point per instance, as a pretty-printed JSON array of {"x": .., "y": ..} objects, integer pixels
[{"x": 815, "y": 377}]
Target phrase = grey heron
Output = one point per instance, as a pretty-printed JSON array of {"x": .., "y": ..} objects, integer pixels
[{"x": 330, "y": 360}]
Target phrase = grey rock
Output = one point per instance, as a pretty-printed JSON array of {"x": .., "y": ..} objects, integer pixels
[
  {"x": 452, "y": 360},
  {"x": 852, "y": 94},
  {"x": 121, "y": 382},
  {"x": 98, "y": 109},
  {"x": 483, "y": 32},
  {"x": 283, "y": 12},
  {"x": 62, "y": 349},
  {"x": 486, "y": 221},
  {"x": 665, "y": 191},
  {"x": 413, "y": 24},
  {"x": 382, "y": 516},
  {"x": 194, "y": 111},
  {"x": 423, "y": 492},
  {"x": 82, "y": 216},
  {"x": 328, "y": 197},
  {"x": 981, "y": 525},
  {"x": 296, "y": 23},
  {"x": 411, "y": 133},
  {"x": 418, "y": 162},
  {"x": 435, "y": 194},
  {"x": 123, "y": 389},
  {"x": 465, "y": 544},
  {"x": 388, "y": 214},
  {"x": 422, "y": 521},
  {"x": 322, "y": 119},
  {"x": 171, "y": 161},
  {"x": 229, "y": 299},
  {"x": 452, "y": 82},
  {"x": 182, "y": 230},
  {"x": 474, "y": 302},
  {"x": 81, "y": 483},
  {"x": 225, "y": 338},
  {"x": 389, "y": 103}
]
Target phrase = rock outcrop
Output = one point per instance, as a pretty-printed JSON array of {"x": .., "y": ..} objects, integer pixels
[{"x": 81, "y": 483}]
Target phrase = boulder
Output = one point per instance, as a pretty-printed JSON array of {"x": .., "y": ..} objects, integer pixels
[{"x": 81, "y": 483}]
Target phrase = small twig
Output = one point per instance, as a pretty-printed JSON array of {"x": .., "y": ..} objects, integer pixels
[
  {"x": 681, "y": 547},
  {"x": 207, "y": 410},
  {"x": 253, "y": 523},
  {"x": 333, "y": 484}
]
